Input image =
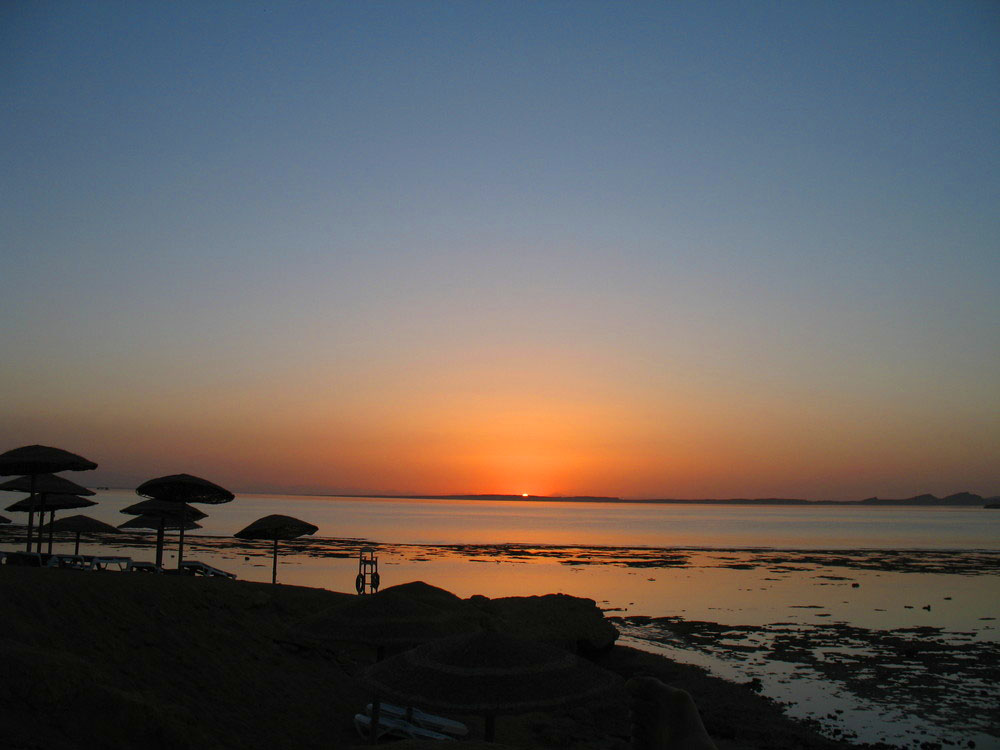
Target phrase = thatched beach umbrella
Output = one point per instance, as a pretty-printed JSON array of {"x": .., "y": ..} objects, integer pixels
[
  {"x": 488, "y": 673},
  {"x": 45, "y": 484},
  {"x": 391, "y": 618},
  {"x": 168, "y": 516},
  {"x": 184, "y": 488},
  {"x": 158, "y": 523},
  {"x": 48, "y": 502},
  {"x": 4, "y": 519},
  {"x": 82, "y": 525},
  {"x": 276, "y": 527},
  {"x": 34, "y": 460}
]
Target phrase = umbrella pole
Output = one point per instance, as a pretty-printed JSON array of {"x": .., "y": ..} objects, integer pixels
[
  {"x": 159, "y": 544},
  {"x": 274, "y": 564},
  {"x": 52, "y": 520},
  {"x": 180, "y": 548},
  {"x": 31, "y": 514},
  {"x": 41, "y": 519},
  {"x": 76, "y": 551}
]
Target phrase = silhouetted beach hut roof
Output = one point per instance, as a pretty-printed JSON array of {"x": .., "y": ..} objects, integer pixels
[
  {"x": 184, "y": 488},
  {"x": 34, "y": 460},
  {"x": 489, "y": 673},
  {"x": 41, "y": 459},
  {"x": 153, "y": 523},
  {"x": 275, "y": 527},
  {"x": 165, "y": 509},
  {"x": 53, "y": 501},
  {"x": 81, "y": 525},
  {"x": 389, "y": 618},
  {"x": 45, "y": 483}
]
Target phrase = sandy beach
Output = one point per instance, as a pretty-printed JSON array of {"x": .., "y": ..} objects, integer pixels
[{"x": 120, "y": 660}]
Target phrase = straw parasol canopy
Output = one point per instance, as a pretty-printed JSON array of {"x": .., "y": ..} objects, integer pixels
[
  {"x": 276, "y": 527},
  {"x": 167, "y": 515},
  {"x": 184, "y": 488},
  {"x": 391, "y": 618},
  {"x": 488, "y": 673},
  {"x": 4, "y": 519},
  {"x": 46, "y": 484},
  {"x": 49, "y": 502},
  {"x": 165, "y": 509},
  {"x": 156, "y": 523},
  {"x": 82, "y": 525},
  {"x": 34, "y": 460},
  {"x": 53, "y": 502}
]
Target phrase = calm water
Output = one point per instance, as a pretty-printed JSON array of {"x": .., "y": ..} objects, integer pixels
[
  {"x": 727, "y": 565},
  {"x": 619, "y": 524}
]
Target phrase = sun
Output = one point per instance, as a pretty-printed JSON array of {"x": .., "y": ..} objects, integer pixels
[{"x": 524, "y": 494}]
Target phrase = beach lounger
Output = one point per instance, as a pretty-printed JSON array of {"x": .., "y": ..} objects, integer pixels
[
  {"x": 105, "y": 563},
  {"x": 145, "y": 567},
  {"x": 421, "y": 719},
  {"x": 193, "y": 567},
  {"x": 395, "y": 728},
  {"x": 27, "y": 559},
  {"x": 77, "y": 562}
]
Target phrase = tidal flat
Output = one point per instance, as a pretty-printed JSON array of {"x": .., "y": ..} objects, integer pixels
[{"x": 898, "y": 647}]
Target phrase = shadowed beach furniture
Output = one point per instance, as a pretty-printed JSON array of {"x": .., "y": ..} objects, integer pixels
[
  {"x": 161, "y": 516},
  {"x": 395, "y": 727},
  {"x": 276, "y": 527},
  {"x": 182, "y": 489},
  {"x": 194, "y": 567},
  {"x": 422, "y": 719},
  {"x": 43, "y": 484},
  {"x": 145, "y": 567},
  {"x": 81, "y": 525},
  {"x": 489, "y": 673}
]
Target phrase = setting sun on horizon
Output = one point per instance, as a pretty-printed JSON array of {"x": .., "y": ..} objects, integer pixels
[{"x": 579, "y": 249}]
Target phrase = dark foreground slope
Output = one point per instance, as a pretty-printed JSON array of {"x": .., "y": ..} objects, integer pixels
[{"x": 119, "y": 660}]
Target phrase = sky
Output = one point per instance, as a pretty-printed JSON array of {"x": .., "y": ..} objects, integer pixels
[{"x": 692, "y": 249}]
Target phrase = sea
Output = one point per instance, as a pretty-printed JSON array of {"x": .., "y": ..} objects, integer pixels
[{"x": 877, "y": 624}]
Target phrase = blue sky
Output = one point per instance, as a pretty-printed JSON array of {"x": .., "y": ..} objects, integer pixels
[{"x": 759, "y": 241}]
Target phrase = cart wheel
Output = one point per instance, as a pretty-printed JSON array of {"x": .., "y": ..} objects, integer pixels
[
  {"x": 359, "y": 584},
  {"x": 375, "y": 581}
]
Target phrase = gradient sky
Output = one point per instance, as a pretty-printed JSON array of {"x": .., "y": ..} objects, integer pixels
[{"x": 639, "y": 249}]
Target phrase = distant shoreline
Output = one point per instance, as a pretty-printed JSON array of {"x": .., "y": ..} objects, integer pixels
[
  {"x": 961, "y": 499},
  {"x": 958, "y": 500}
]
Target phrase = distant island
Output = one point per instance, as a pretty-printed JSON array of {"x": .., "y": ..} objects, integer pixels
[{"x": 957, "y": 499}]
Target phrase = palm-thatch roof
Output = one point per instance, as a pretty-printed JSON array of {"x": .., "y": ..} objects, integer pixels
[
  {"x": 152, "y": 523},
  {"x": 45, "y": 483},
  {"x": 49, "y": 502},
  {"x": 276, "y": 526},
  {"x": 184, "y": 488},
  {"x": 81, "y": 525},
  {"x": 488, "y": 672},
  {"x": 41, "y": 459},
  {"x": 165, "y": 509}
]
